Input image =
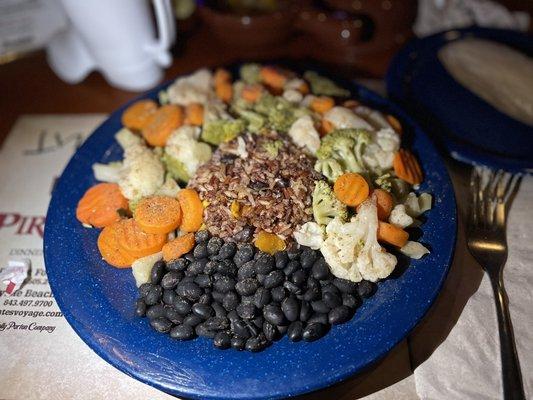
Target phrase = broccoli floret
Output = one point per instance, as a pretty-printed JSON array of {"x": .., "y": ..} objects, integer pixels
[
  {"x": 279, "y": 112},
  {"x": 250, "y": 73},
  {"x": 216, "y": 132},
  {"x": 384, "y": 182},
  {"x": 322, "y": 86},
  {"x": 330, "y": 168},
  {"x": 325, "y": 205},
  {"x": 176, "y": 168},
  {"x": 346, "y": 146},
  {"x": 272, "y": 147},
  {"x": 255, "y": 121}
]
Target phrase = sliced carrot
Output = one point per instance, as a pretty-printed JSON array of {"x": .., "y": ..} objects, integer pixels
[
  {"x": 384, "y": 203},
  {"x": 137, "y": 243},
  {"x": 221, "y": 76},
  {"x": 158, "y": 214},
  {"x": 162, "y": 123},
  {"x": 192, "y": 210},
  {"x": 396, "y": 125},
  {"x": 252, "y": 93},
  {"x": 392, "y": 234},
  {"x": 322, "y": 104},
  {"x": 351, "y": 103},
  {"x": 269, "y": 242},
  {"x": 138, "y": 114},
  {"x": 407, "y": 168},
  {"x": 224, "y": 91},
  {"x": 110, "y": 250},
  {"x": 194, "y": 114},
  {"x": 325, "y": 127},
  {"x": 100, "y": 204},
  {"x": 303, "y": 88},
  {"x": 273, "y": 77},
  {"x": 178, "y": 247},
  {"x": 351, "y": 189}
]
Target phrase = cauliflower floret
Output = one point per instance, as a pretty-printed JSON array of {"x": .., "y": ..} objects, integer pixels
[
  {"x": 373, "y": 117},
  {"x": 190, "y": 131},
  {"x": 142, "y": 174},
  {"x": 183, "y": 155},
  {"x": 398, "y": 217},
  {"x": 414, "y": 206},
  {"x": 379, "y": 154},
  {"x": 309, "y": 234},
  {"x": 414, "y": 250},
  {"x": 342, "y": 117},
  {"x": 304, "y": 134},
  {"x": 170, "y": 188},
  {"x": 292, "y": 95},
  {"x": 194, "y": 88},
  {"x": 127, "y": 138},
  {"x": 142, "y": 267},
  {"x": 107, "y": 172}
]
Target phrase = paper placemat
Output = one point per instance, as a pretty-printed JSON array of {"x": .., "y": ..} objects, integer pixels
[{"x": 41, "y": 357}]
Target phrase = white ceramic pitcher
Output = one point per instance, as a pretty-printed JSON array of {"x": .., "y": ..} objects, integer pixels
[{"x": 116, "y": 37}]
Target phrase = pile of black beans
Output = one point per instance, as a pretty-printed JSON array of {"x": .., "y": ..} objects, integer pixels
[{"x": 246, "y": 299}]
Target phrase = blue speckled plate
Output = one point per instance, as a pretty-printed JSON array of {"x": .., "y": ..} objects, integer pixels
[
  {"x": 471, "y": 129},
  {"x": 98, "y": 300}
]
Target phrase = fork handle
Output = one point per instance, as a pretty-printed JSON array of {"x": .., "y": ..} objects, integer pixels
[{"x": 512, "y": 380}]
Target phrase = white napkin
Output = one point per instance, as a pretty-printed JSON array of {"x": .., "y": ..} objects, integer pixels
[{"x": 456, "y": 349}]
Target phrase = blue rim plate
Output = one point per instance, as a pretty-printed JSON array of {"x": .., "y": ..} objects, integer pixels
[
  {"x": 98, "y": 301},
  {"x": 470, "y": 129}
]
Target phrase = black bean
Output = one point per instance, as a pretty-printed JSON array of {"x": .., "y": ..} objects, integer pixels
[
  {"x": 232, "y": 315},
  {"x": 264, "y": 264},
  {"x": 291, "y": 267},
  {"x": 294, "y": 333},
  {"x": 140, "y": 308},
  {"x": 320, "y": 269},
  {"x": 257, "y": 185},
  {"x": 189, "y": 256},
  {"x": 200, "y": 251},
  {"x": 247, "y": 270},
  {"x": 240, "y": 328},
  {"x": 262, "y": 297},
  {"x": 270, "y": 331},
  {"x": 219, "y": 310},
  {"x": 299, "y": 277},
  {"x": 155, "y": 311},
  {"x": 158, "y": 270},
  {"x": 291, "y": 308},
  {"x": 204, "y": 311},
  {"x": 222, "y": 341},
  {"x": 230, "y": 301},
  {"x": 305, "y": 311},
  {"x": 245, "y": 234},
  {"x": 247, "y": 286},
  {"x": 282, "y": 329},
  {"x": 258, "y": 321},
  {"x": 244, "y": 254},
  {"x": 145, "y": 288},
  {"x": 173, "y": 315},
  {"x": 169, "y": 296},
  {"x": 196, "y": 267},
  {"x": 187, "y": 278},
  {"x": 227, "y": 267},
  {"x": 201, "y": 236},
  {"x": 203, "y": 281},
  {"x": 273, "y": 314},
  {"x": 237, "y": 343},
  {"x": 318, "y": 317},
  {"x": 228, "y": 158},
  {"x": 330, "y": 288},
  {"x": 206, "y": 298},
  {"x": 292, "y": 288},
  {"x": 179, "y": 264},
  {"x": 308, "y": 258},
  {"x": 339, "y": 315},
  {"x": 246, "y": 310},
  {"x": 182, "y": 332},
  {"x": 161, "y": 324},
  {"x": 313, "y": 283},
  {"x": 192, "y": 320},
  {"x": 247, "y": 299},
  {"x": 202, "y": 330},
  {"x": 345, "y": 286},
  {"x": 256, "y": 343},
  {"x": 281, "y": 259},
  {"x": 314, "y": 331},
  {"x": 214, "y": 245},
  {"x": 331, "y": 299},
  {"x": 217, "y": 296},
  {"x": 261, "y": 278},
  {"x": 171, "y": 279},
  {"x": 273, "y": 279},
  {"x": 254, "y": 330},
  {"x": 350, "y": 300},
  {"x": 182, "y": 306},
  {"x": 365, "y": 289},
  {"x": 224, "y": 284},
  {"x": 293, "y": 252},
  {"x": 189, "y": 290},
  {"x": 154, "y": 295},
  {"x": 311, "y": 294},
  {"x": 211, "y": 267},
  {"x": 319, "y": 306},
  {"x": 227, "y": 251},
  {"x": 278, "y": 293},
  {"x": 217, "y": 323}
]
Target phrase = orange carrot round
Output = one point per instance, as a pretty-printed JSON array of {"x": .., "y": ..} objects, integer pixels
[
  {"x": 134, "y": 241},
  {"x": 162, "y": 123},
  {"x": 407, "y": 168},
  {"x": 325, "y": 127},
  {"x": 392, "y": 234},
  {"x": 351, "y": 189},
  {"x": 192, "y": 210},
  {"x": 178, "y": 247},
  {"x": 303, "y": 88},
  {"x": 224, "y": 91},
  {"x": 138, "y": 114},
  {"x": 100, "y": 204},
  {"x": 384, "y": 203},
  {"x": 221, "y": 75},
  {"x": 396, "y": 125},
  {"x": 158, "y": 214},
  {"x": 194, "y": 114},
  {"x": 322, "y": 104},
  {"x": 251, "y": 93},
  {"x": 110, "y": 250},
  {"x": 273, "y": 77}
]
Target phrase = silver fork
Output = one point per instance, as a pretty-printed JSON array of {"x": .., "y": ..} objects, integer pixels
[{"x": 491, "y": 193}]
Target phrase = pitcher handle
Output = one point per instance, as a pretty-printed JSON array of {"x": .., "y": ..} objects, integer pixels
[{"x": 166, "y": 30}]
